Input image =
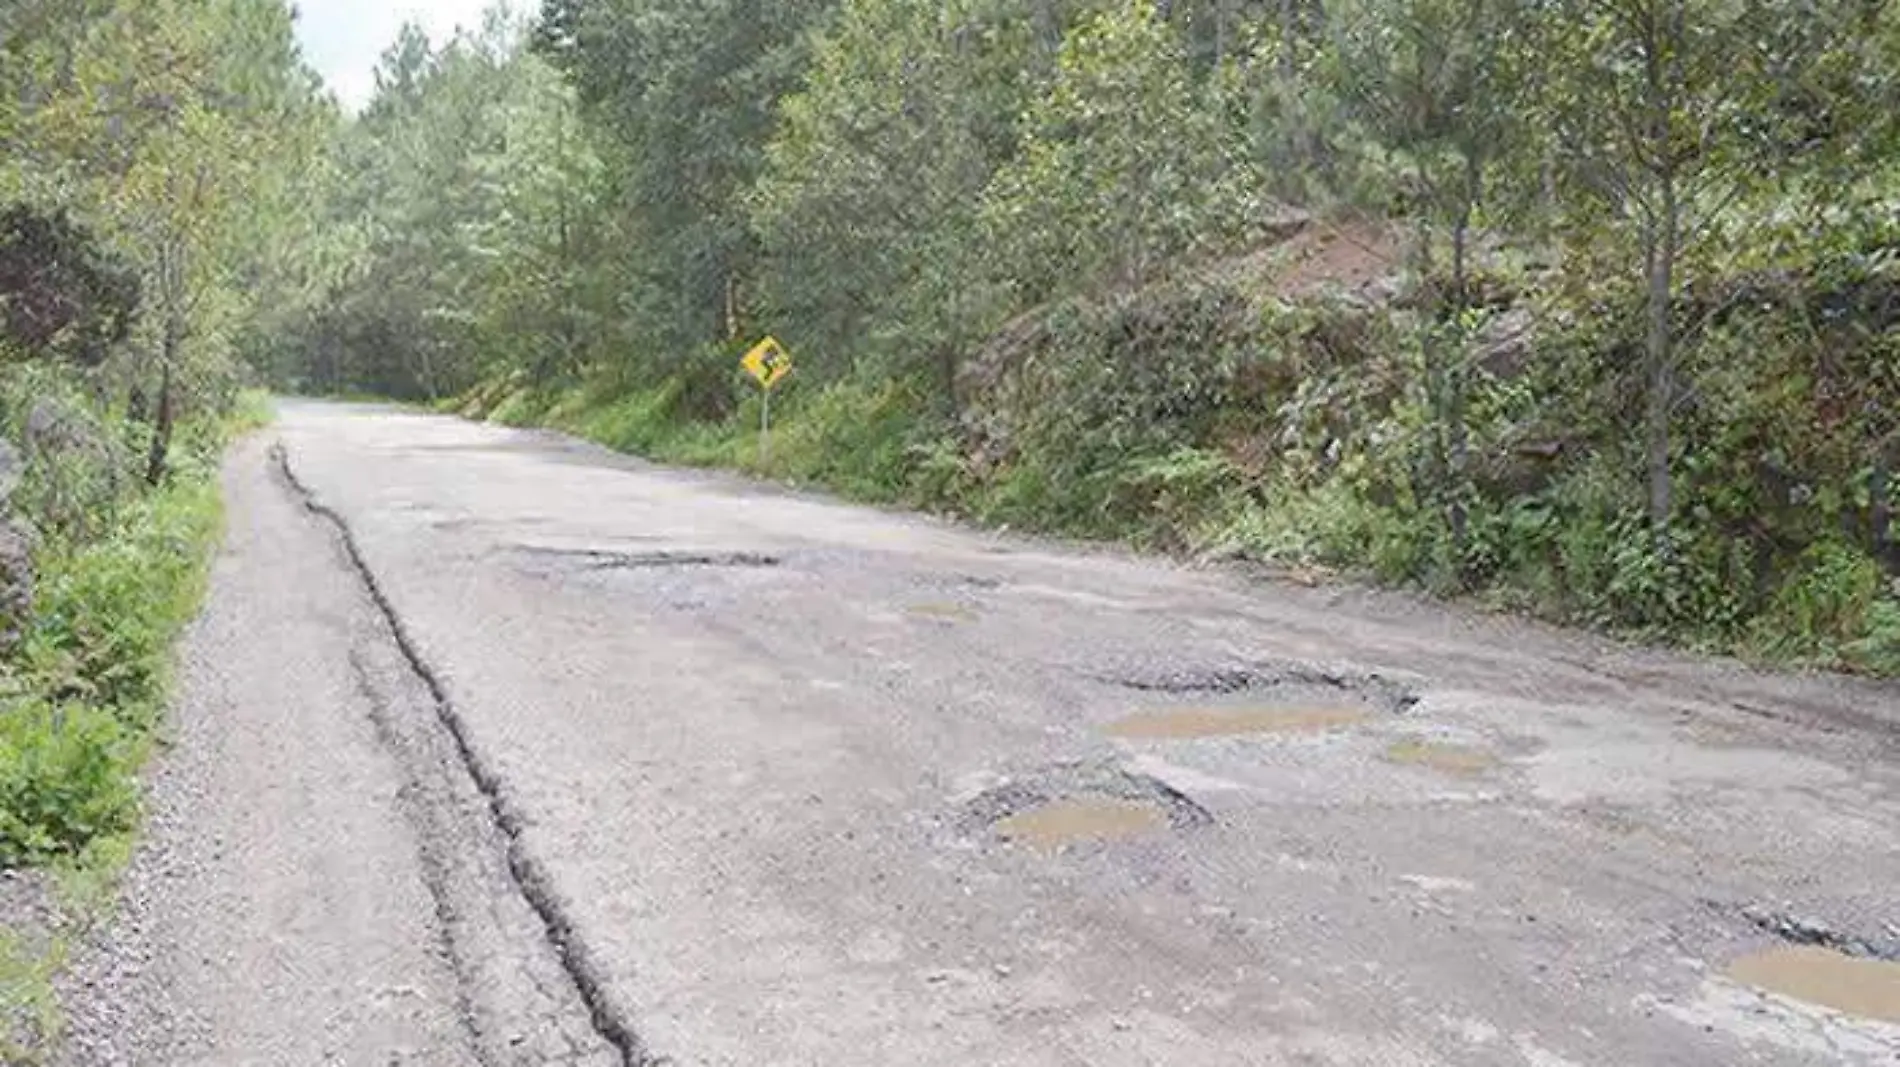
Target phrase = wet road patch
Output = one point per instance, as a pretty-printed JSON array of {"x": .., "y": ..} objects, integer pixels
[
  {"x": 1464, "y": 761},
  {"x": 1181, "y": 724},
  {"x": 942, "y": 611},
  {"x": 1869, "y": 988}
]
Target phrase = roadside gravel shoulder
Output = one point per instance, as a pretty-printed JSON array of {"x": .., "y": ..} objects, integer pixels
[{"x": 274, "y": 911}]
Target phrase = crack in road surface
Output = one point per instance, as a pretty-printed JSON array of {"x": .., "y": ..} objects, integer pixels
[{"x": 608, "y": 1019}]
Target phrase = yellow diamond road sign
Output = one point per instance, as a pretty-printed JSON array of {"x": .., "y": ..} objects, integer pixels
[{"x": 768, "y": 362}]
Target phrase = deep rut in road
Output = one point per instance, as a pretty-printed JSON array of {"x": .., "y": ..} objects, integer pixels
[{"x": 440, "y": 761}]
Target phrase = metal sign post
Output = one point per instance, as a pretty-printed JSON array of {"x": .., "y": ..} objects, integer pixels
[{"x": 765, "y": 427}]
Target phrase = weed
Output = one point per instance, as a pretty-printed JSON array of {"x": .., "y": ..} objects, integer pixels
[
  {"x": 30, "y": 1018},
  {"x": 66, "y": 779},
  {"x": 1832, "y": 605}
]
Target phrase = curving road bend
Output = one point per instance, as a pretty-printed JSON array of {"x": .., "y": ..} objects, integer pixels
[{"x": 495, "y": 748}]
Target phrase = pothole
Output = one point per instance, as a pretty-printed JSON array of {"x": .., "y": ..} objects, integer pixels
[
  {"x": 1176, "y": 724},
  {"x": 981, "y": 582},
  {"x": 600, "y": 559},
  {"x": 1382, "y": 693},
  {"x": 1813, "y": 933},
  {"x": 1076, "y": 802},
  {"x": 1869, "y": 988},
  {"x": 1465, "y": 761},
  {"x": 1186, "y": 680}
]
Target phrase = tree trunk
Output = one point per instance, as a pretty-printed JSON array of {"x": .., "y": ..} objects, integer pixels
[
  {"x": 1289, "y": 13},
  {"x": 1659, "y": 370},
  {"x": 155, "y": 460},
  {"x": 1880, "y": 506},
  {"x": 1457, "y": 437},
  {"x": 428, "y": 372},
  {"x": 1048, "y": 31}
]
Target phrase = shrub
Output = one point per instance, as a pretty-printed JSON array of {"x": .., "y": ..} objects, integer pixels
[
  {"x": 1832, "y": 600},
  {"x": 853, "y": 436},
  {"x": 65, "y": 780},
  {"x": 106, "y": 612}
]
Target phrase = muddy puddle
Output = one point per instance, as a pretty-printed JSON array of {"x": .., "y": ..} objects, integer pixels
[
  {"x": 1866, "y": 988},
  {"x": 1066, "y": 822},
  {"x": 942, "y": 611},
  {"x": 1190, "y": 723},
  {"x": 1465, "y": 761}
]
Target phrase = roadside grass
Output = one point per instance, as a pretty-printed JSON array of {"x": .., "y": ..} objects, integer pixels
[
  {"x": 82, "y": 702},
  {"x": 30, "y": 1017},
  {"x": 253, "y": 410},
  {"x": 881, "y": 442}
]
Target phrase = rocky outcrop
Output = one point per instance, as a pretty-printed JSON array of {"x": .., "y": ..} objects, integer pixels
[{"x": 16, "y": 559}]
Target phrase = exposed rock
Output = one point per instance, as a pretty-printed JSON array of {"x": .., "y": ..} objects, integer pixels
[
  {"x": 16, "y": 558},
  {"x": 10, "y": 468},
  {"x": 16, "y": 585}
]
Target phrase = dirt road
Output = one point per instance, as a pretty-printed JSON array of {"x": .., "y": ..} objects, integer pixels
[{"x": 497, "y": 749}]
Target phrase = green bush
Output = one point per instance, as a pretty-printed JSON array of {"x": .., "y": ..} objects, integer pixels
[
  {"x": 1832, "y": 600},
  {"x": 523, "y": 406},
  {"x": 89, "y": 681},
  {"x": 1333, "y": 526},
  {"x": 106, "y": 612},
  {"x": 634, "y": 422},
  {"x": 66, "y": 779},
  {"x": 855, "y": 437},
  {"x": 1878, "y": 650}
]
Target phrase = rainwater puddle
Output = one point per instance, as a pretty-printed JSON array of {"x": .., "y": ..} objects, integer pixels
[
  {"x": 1176, "y": 724},
  {"x": 942, "y": 612},
  {"x": 1464, "y": 761},
  {"x": 1066, "y": 822},
  {"x": 1867, "y": 988}
]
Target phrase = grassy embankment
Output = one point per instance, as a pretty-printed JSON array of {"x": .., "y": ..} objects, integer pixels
[{"x": 82, "y": 707}]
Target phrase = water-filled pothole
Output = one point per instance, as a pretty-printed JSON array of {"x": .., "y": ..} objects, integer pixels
[
  {"x": 1178, "y": 724},
  {"x": 1865, "y": 987},
  {"x": 1465, "y": 761},
  {"x": 1075, "y": 802},
  {"x": 1066, "y": 822}
]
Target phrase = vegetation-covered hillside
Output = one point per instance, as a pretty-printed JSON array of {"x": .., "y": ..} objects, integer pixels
[{"x": 1588, "y": 307}]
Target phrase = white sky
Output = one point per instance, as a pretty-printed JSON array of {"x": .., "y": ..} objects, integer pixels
[{"x": 343, "y": 39}]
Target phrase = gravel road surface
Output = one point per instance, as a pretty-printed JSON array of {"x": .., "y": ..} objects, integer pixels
[{"x": 495, "y": 748}]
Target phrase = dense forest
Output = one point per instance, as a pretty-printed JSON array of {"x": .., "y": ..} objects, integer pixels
[{"x": 1585, "y": 307}]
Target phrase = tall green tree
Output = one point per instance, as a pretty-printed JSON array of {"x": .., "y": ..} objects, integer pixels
[
  {"x": 867, "y": 207},
  {"x": 1669, "y": 120},
  {"x": 1440, "y": 84},
  {"x": 686, "y": 92},
  {"x": 1127, "y": 165}
]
